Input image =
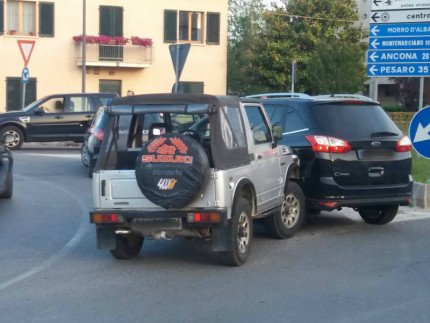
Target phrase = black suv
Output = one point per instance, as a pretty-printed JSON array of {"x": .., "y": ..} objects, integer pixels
[
  {"x": 59, "y": 117},
  {"x": 351, "y": 154}
]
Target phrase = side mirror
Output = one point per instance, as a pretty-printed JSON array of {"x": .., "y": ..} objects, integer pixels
[
  {"x": 39, "y": 111},
  {"x": 277, "y": 133},
  {"x": 8, "y": 139}
]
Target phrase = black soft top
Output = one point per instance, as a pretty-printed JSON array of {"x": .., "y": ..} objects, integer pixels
[{"x": 213, "y": 102}]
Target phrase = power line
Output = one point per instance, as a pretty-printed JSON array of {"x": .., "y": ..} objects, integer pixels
[{"x": 307, "y": 17}]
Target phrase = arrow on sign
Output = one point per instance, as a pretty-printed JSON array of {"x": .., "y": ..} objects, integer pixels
[
  {"x": 374, "y": 56},
  {"x": 376, "y": 2},
  {"x": 375, "y": 17},
  {"x": 373, "y": 69},
  {"x": 375, "y": 30},
  {"x": 375, "y": 43},
  {"x": 422, "y": 133}
]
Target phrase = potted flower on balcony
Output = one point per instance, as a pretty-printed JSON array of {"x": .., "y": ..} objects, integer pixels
[
  {"x": 145, "y": 42},
  {"x": 120, "y": 40}
]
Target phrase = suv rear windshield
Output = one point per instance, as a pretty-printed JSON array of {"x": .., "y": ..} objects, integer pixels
[{"x": 352, "y": 121}]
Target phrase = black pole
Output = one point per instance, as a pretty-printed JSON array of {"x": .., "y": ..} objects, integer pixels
[{"x": 84, "y": 45}]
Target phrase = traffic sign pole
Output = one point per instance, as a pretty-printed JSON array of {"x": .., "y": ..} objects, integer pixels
[
  {"x": 421, "y": 99},
  {"x": 23, "y": 95}
]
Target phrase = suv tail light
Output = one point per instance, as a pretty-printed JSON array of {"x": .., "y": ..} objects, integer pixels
[
  {"x": 327, "y": 144},
  {"x": 98, "y": 133},
  {"x": 404, "y": 144}
]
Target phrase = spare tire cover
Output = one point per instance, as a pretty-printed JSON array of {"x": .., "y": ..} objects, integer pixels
[{"x": 171, "y": 170}]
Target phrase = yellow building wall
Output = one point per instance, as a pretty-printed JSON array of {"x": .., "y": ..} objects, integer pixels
[{"x": 53, "y": 61}]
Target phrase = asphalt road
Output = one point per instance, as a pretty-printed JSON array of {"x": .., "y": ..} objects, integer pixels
[{"x": 337, "y": 269}]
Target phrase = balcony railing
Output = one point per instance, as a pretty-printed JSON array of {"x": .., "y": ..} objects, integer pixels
[{"x": 131, "y": 56}]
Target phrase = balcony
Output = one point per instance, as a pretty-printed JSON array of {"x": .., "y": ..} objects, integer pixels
[{"x": 126, "y": 56}]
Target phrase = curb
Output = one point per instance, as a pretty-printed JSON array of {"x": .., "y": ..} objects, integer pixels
[{"x": 421, "y": 195}]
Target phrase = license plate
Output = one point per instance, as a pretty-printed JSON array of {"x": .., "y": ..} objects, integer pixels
[
  {"x": 158, "y": 224},
  {"x": 370, "y": 154}
]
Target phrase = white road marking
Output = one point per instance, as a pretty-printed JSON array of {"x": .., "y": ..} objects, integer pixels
[
  {"x": 73, "y": 242},
  {"x": 73, "y": 156}
]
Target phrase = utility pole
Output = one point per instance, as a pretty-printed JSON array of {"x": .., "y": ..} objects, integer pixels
[{"x": 84, "y": 44}]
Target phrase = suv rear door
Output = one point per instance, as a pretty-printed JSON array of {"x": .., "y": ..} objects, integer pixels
[{"x": 372, "y": 135}]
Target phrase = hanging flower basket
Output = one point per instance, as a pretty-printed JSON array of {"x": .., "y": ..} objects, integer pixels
[{"x": 106, "y": 40}]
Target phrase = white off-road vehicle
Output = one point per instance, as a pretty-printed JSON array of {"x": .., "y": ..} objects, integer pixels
[{"x": 210, "y": 168}]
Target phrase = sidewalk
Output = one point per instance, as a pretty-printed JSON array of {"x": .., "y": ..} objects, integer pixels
[{"x": 421, "y": 195}]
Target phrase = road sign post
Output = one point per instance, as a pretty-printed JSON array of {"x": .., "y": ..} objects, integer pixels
[
  {"x": 419, "y": 132},
  {"x": 25, "y": 76}
]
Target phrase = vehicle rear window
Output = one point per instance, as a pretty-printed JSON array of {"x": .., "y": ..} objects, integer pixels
[{"x": 351, "y": 121}]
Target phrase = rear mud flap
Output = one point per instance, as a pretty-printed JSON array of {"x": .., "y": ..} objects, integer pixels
[
  {"x": 221, "y": 237},
  {"x": 106, "y": 238}
]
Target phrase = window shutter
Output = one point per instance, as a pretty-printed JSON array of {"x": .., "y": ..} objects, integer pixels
[
  {"x": 170, "y": 24},
  {"x": 117, "y": 22},
  {"x": 105, "y": 20},
  {"x": 46, "y": 19},
  {"x": 1, "y": 17},
  {"x": 213, "y": 28}
]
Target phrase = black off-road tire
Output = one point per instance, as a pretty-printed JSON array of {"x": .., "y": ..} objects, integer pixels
[
  {"x": 16, "y": 133},
  {"x": 9, "y": 191},
  {"x": 285, "y": 223},
  {"x": 382, "y": 214},
  {"x": 85, "y": 157},
  {"x": 127, "y": 247},
  {"x": 240, "y": 234}
]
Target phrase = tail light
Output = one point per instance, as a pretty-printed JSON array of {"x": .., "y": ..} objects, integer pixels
[
  {"x": 98, "y": 133},
  {"x": 327, "y": 144},
  {"x": 404, "y": 144},
  {"x": 328, "y": 204},
  {"x": 203, "y": 217},
  {"x": 106, "y": 218}
]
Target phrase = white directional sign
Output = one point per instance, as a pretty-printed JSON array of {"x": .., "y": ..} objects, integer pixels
[
  {"x": 410, "y": 16},
  {"x": 399, "y": 4}
]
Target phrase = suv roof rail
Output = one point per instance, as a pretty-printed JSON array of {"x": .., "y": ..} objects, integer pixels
[
  {"x": 280, "y": 95},
  {"x": 343, "y": 96}
]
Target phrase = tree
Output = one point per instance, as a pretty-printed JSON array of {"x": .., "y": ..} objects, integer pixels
[
  {"x": 407, "y": 92},
  {"x": 296, "y": 31},
  {"x": 336, "y": 68},
  {"x": 244, "y": 23}
]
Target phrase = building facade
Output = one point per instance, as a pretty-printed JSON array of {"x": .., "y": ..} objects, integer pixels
[{"x": 127, "y": 47}]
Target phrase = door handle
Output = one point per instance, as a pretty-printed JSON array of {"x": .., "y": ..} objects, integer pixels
[
  {"x": 59, "y": 117},
  {"x": 89, "y": 116}
]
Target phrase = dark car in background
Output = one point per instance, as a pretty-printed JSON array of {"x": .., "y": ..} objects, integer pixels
[
  {"x": 95, "y": 133},
  {"x": 58, "y": 117},
  {"x": 351, "y": 154},
  {"x": 6, "y": 166}
]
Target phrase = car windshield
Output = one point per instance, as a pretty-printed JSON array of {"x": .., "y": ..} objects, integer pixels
[
  {"x": 33, "y": 104},
  {"x": 348, "y": 121}
]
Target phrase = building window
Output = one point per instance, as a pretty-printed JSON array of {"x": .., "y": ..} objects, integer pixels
[
  {"x": 46, "y": 19},
  {"x": 212, "y": 30},
  {"x": 1, "y": 17},
  {"x": 110, "y": 86},
  {"x": 14, "y": 90},
  {"x": 191, "y": 87},
  {"x": 188, "y": 26},
  {"x": 21, "y": 17}
]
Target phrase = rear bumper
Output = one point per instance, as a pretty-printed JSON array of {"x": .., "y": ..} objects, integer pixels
[
  {"x": 360, "y": 196},
  {"x": 163, "y": 214}
]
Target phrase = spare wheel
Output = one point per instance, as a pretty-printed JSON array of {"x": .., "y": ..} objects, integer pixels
[{"x": 172, "y": 170}]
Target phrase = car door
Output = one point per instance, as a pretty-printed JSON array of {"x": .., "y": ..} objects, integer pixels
[
  {"x": 265, "y": 166},
  {"x": 45, "y": 124},
  {"x": 78, "y": 113}
]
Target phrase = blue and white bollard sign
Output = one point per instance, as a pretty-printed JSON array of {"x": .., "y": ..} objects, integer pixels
[{"x": 419, "y": 132}]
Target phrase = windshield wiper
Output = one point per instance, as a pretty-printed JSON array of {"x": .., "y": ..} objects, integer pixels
[{"x": 383, "y": 134}]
